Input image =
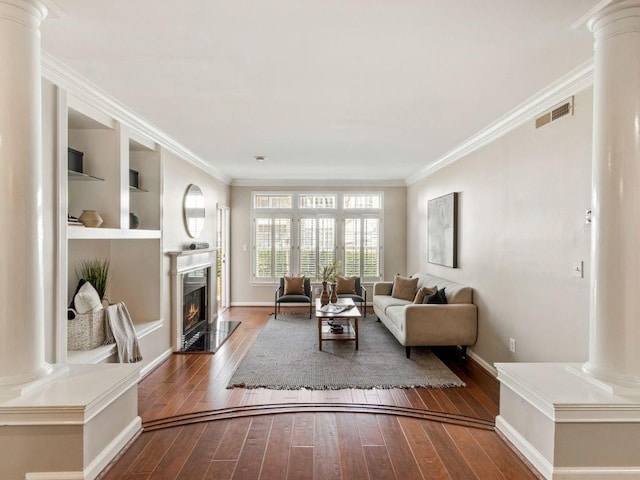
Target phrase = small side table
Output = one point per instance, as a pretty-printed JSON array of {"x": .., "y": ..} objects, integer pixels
[{"x": 347, "y": 318}]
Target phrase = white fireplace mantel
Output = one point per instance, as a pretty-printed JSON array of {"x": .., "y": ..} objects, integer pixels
[{"x": 183, "y": 262}]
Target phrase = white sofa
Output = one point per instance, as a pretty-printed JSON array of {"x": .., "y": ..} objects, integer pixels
[{"x": 455, "y": 323}]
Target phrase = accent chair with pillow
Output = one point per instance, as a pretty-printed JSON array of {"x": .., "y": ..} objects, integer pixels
[
  {"x": 293, "y": 290},
  {"x": 352, "y": 288},
  {"x": 424, "y": 310}
]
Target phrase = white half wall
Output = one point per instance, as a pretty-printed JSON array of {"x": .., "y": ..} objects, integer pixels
[{"x": 522, "y": 203}]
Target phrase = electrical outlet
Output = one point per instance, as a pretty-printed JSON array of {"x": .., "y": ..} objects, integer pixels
[
  {"x": 512, "y": 345},
  {"x": 317, "y": 291}
]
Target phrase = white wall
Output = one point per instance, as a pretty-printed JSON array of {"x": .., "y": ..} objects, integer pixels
[
  {"x": 243, "y": 292},
  {"x": 521, "y": 226}
]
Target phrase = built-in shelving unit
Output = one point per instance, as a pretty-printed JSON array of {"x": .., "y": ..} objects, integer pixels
[{"x": 110, "y": 150}]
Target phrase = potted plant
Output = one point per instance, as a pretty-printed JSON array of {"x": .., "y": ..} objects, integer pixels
[
  {"x": 96, "y": 272},
  {"x": 328, "y": 275}
]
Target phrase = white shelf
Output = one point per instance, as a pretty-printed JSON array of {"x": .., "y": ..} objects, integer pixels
[
  {"x": 78, "y": 176},
  {"x": 76, "y": 232},
  {"x": 100, "y": 354}
]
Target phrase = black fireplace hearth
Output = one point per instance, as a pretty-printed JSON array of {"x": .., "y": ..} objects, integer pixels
[{"x": 210, "y": 336}]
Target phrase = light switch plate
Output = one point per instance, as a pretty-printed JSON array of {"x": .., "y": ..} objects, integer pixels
[{"x": 578, "y": 269}]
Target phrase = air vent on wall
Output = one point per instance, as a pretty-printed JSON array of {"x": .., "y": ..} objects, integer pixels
[{"x": 559, "y": 111}]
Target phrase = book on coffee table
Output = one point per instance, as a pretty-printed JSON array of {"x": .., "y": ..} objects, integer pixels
[{"x": 335, "y": 308}]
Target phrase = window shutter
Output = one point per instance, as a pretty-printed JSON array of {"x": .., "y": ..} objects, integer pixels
[
  {"x": 282, "y": 247},
  {"x": 308, "y": 257},
  {"x": 371, "y": 247},
  {"x": 263, "y": 254}
]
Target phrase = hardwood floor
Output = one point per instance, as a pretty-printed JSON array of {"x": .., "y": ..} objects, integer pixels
[{"x": 196, "y": 428}]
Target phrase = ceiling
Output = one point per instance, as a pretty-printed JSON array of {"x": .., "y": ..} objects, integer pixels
[{"x": 371, "y": 90}]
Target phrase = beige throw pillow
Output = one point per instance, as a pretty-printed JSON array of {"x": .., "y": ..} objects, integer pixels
[
  {"x": 346, "y": 285},
  {"x": 404, "y": 288},
  {"x": 294, "y": 285},
  {"x": 423, "y": 292}
]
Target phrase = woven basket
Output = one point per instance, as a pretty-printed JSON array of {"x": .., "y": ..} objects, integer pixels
[{"x": 86, "y": 331}]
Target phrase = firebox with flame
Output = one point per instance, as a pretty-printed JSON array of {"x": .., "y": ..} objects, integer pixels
[{"x": 193, "y": 314}]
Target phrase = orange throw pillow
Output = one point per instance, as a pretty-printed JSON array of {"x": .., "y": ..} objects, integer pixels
[
  {"x": 294, "y": 285},
  {"x": 404, "y": 288},
  {"x": 346, "y": 285}
]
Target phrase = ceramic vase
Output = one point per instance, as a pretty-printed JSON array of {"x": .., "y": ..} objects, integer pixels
[
  {"x": 134, "y": 221},
  {"x": 333, "y": 298},
  {"x": 90, "y": 218},
  {"x": 324, "y": 295}
]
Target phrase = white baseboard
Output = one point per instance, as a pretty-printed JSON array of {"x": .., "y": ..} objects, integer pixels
[
  {"x": 147, "y": 369},
  {"x": 54, "y": 476},
  {"x": 483, "y": 363},
  {"x": 525, "y": 448},
  {"x": 596, "y": 473},
  {"x": 100, "y": 462}
]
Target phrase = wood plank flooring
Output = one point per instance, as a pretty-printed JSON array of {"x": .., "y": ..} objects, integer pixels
[{"x": 196, "y": 428}]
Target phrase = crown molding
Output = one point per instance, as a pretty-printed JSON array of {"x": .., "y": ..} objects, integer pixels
[
  {"x": 329, "y": 182},
  {"x": 576, "y": 80},
  {"x": 84, "y": 90}
]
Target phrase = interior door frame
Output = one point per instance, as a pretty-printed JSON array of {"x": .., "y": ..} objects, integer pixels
[{"x": 223, "y": 224}]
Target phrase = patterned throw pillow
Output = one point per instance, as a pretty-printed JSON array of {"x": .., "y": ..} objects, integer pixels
[
  {"x": 423, "y": 292},
  {"x": 294, "y": 285},
  {"x": 404, "y": 288},
  {"x": 346, "y": 285}
]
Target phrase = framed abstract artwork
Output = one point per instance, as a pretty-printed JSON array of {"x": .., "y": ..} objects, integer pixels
[{"x": 442, "y": 230}]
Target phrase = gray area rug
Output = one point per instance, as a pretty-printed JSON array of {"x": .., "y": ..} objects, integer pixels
[{"x": 285, "y": 356}]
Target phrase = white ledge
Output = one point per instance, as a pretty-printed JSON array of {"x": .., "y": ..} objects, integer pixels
[{"x": 564, "y": 396}]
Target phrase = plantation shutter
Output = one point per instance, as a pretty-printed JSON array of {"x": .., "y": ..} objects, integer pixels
[
  {"x": 282, "y": 247},
  {"x": 263, "y": 252},
  {"x": 308, "y": 255},
  {"x": 371, "y": 247},
  {"x": 317, "y": 244},
  {"x": 352, "y": 247},
  {"x": 326, "y": 241}
]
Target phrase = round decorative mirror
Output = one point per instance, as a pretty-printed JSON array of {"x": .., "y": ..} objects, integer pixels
[{"x": 194, "y": 211}]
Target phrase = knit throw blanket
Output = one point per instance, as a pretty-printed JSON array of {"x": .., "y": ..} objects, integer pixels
[{"x": 119, "y": 327}]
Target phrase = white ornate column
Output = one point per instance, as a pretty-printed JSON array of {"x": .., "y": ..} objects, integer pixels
[
  {"x": 21, "y": 235},
  {"x": 614, "y": 353}
]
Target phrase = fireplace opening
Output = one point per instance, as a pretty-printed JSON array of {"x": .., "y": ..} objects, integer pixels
[{"x": 195, "y": 311}]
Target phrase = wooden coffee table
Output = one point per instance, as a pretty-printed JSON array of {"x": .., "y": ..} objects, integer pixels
[{"x": 348, "y": 319}]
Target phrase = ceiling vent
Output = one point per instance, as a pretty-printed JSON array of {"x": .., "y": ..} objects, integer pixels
[{"x": 557, "y": 112}]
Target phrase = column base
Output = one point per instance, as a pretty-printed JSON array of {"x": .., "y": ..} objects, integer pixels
[
  {"x": 18, "y": 386},
  {"x": 567, "y": 425},
  {"x": 73, "y": 425}
]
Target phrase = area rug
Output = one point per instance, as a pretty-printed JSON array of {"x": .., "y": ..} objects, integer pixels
[{"x": 285, "y": 356}]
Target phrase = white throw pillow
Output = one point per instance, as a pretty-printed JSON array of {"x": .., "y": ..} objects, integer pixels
[{"x": 87, "y": 299}]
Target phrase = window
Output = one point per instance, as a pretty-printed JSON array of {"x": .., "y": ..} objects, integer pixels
[
  {"x": 362, "y": 247},
  {"x": 272, "y": 246},
  {"x": 317, "y": 244},
  {"x": 362, "y": 201},
  {"x": 317, "y": 201},
  {"x": 330, "y": 226},
  {"x": 272, "y": 201}
]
